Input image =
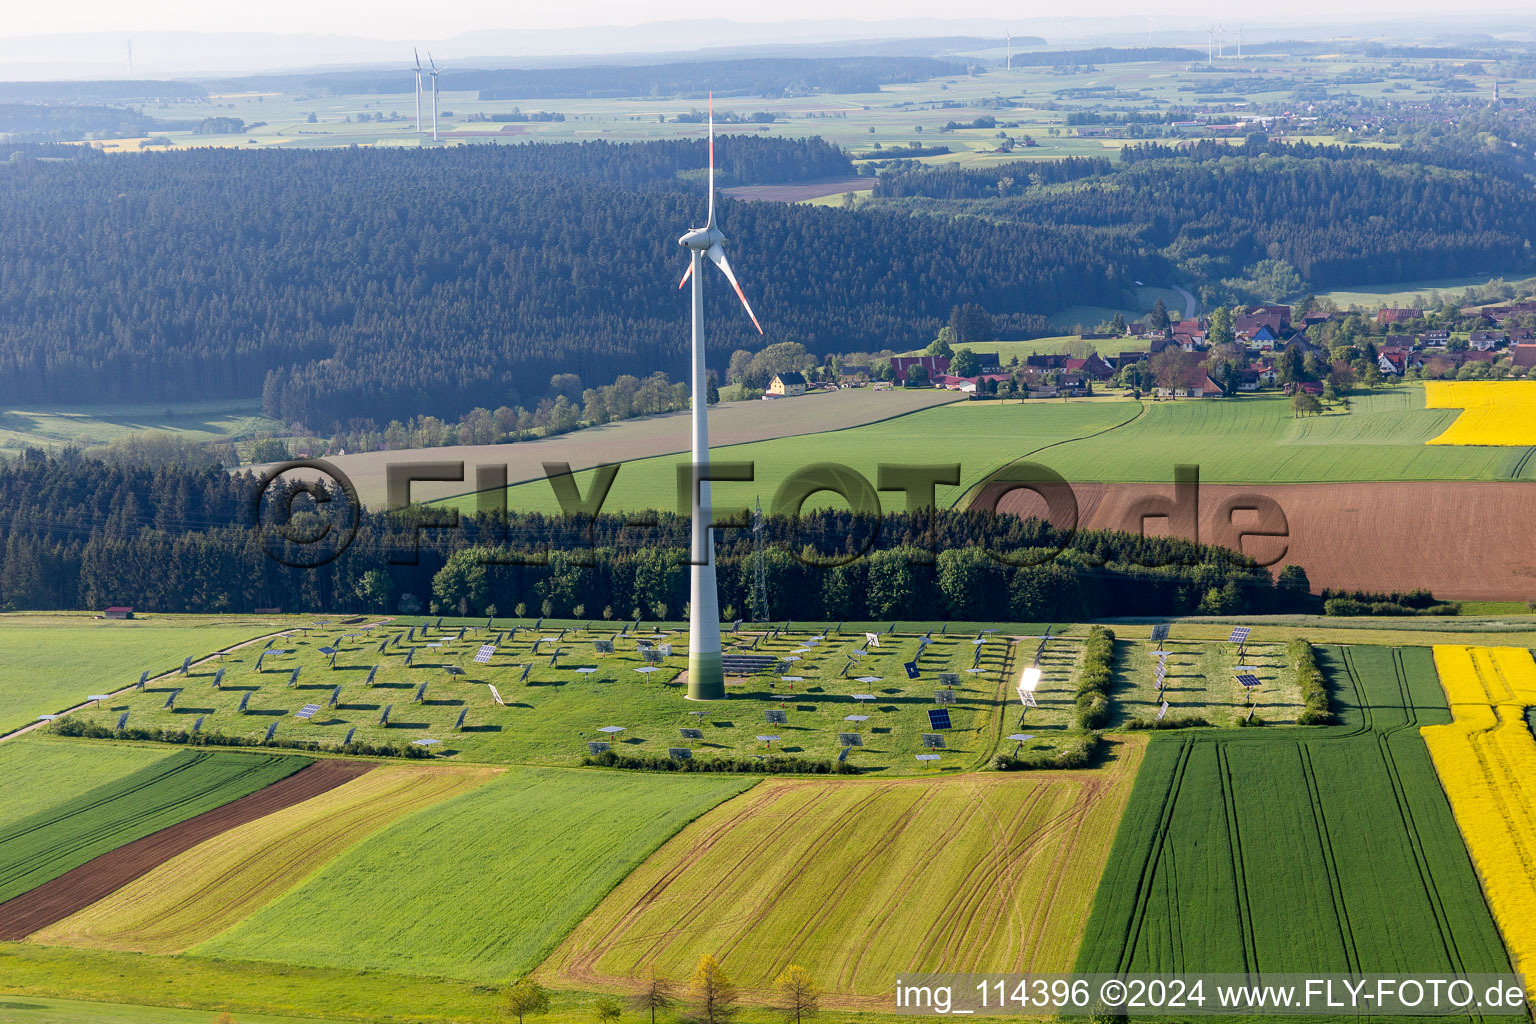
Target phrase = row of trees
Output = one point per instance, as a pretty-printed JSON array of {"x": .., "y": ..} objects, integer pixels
[{"x": 711, "y": 998}]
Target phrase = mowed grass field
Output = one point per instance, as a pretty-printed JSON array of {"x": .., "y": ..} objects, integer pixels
[
  {"x": 88, "y": 426},
  {"x": 1322, "y": 850},
  {"x": 552, "y": 711},
  {"x": 197, "y": 894},
  {"x": 480, "y": 887},
  {"x": 57, "y": 770},
  {"x": 52, "y": 662},
  {"x": 862, "y": 880},
  {"x": 1202, "y": 681},
  {"x": 65, "y": 835}
]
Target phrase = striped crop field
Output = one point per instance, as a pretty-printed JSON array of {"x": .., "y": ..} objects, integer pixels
[
  {"x": 58, "y": 770},
  {"x": 67, "y": 834},
  {"x": 858, "y": 881},
  {"x": 1495, "y": 412},
  {"x": 480, "y": 887},
  {"x": 197, "y": 894},
  {"x": 1486, "y": 759},
  {"x": 1325, "y": 850}
]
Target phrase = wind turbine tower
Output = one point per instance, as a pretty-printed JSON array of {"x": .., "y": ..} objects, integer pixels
[
  {"x": 418, "y": 90},
  {"x": 1210, "y": 45},
  {"x": 706, "y": 677},
  {"x": 434, "y": 73},
  {"x": 1009, "y": 37}
]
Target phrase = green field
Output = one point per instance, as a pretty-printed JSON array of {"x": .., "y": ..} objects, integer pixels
[
  {"x": 1328, "y": 850},
  {"x": 89, "y": 426},
  {"x": 1405, "y": 293},
  {"x": 860, "y": 881},
  {"x": 480, "y": 887},
  {"x": 59, "y": 770},
  {"x": 51, "y": 662},
  {"x": 66, "y": 834},
  {"x": 551, "y": 716},
  {"x": 1202, "y": 681},
  {"x": 980, "y": 436}
]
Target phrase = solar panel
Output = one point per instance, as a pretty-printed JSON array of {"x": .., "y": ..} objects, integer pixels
[
  {"x": 424, "y": 742},
  {"x": 1240, "y": 635},
  {"x": 872, "y": 639},
  {"x": 1248, "y": 680},
  {"x": 842, "y": 755},
  {"x": 850, "y": 739},
  {"x": 459, "y": 722},
  {"x": 766, "y": 739},
  {"x": 171, "y": 700},
  {"x": 335, "y": 696},
  {"x": 122, "y": 721},
  {"x": 944, "y": 696},
  {"x": 270, "y": 730},
  {"x": 485, "y": 653},
  {"x": 776, "y": 716},
  {"x": 144, "y": 678},
  {"x": 1022, "y": 737},
  {"x": 453, "y": 670},
  {"x": 855, "y": 718},
  {"x": 350, "y": 732},
  {"x": 911, "y": 668},
  {"x": 524, "y": 677},
  {"x": 938, "y": 718},
  {"x": 245, "y": 699},
  {"x": 692, "y": 734},
  {"x": 327, "y": 650},
  {"x": 680, "y": 753},
  {"x": 611, "y": 729},
  {"x": 928, "y": 757},
  {"x": 421, "y": 691},
  {"x": 218, "y": 677},
  {"x": 307, "y": 711},
  {"x": 603, "y": 646},
  {"x": 186, "y": 663},
  {"x": 933, "y": 741},
  {"x": 371, "y": 673},
  {"x": 949, "y": 678},
  {"x": 384, "y": 718},
  {"x": 1162, "y": 711},
  {"x": 198, "y": 725}
]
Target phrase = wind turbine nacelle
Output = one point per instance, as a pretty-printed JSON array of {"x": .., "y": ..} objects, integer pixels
[{"x": 701, "y": 238}]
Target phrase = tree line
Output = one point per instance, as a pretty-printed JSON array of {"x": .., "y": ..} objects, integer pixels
[
  {"x": 347, "y": 284},
  {"x": 84, "y": 533}
]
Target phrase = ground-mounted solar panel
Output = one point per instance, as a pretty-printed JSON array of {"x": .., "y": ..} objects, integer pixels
[
  {"x": 122, "y": 721},
  {"x": 597, "y": 746},
  {"x": 680, "y": 753},
  {"x": 328, "y": 650},
  {"x": 1161, "y": 711},
  {"x": 350, "y": 733},
  {"x": 384, "y": 718},
  {"x": 421, "y": 691},
  {"x": 1160, "y": 632},
  {"x": 458, "y": 724},
  {"x": 1248, "y": 681},
  {"x": 691, "y": 734},
  {"x": 335, "y": 697},
  {"x": 245, "y": 699},
  {"x": 486, "y": 652},
  {"x": 271, "y": 730},
  {"x": 307, "y": 711},
  {"x": 410, "y": 656},
  {"x": 850, "y": 739},
  {"x": 218, "y": 679},
  {"x": 197, "y": 726},
  {"x": 776, "y": 716},
  {"x": 186, "y": 664},
  {"x": 944, "y": 696},
  {"x": 143, "y": 678},
  {"x": 170, "y": 701},
  {"x": 933, "y": 740},
  {"x": 602, "y": 646},
  {"x": 927, "y": 758},
  {"x": 938, "y": 718},
  {"x": 293, "y": 677},
  {"x": 911, "y": 667},
  {"x": 842, "y": 755},
  {"x": 1240, "y": 635},
  {"x": 949, "y": 679},
  {"x": 524, "y": 677}
]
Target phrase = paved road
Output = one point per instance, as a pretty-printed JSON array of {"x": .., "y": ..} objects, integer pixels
[{"x": 1189, "y": 302}]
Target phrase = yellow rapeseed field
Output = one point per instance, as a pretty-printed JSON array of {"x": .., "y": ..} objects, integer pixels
[
  {"x": 1497, "y": 412},
  {"x": 1486, "y": 760},
  {"x": 199, "y": 893}
]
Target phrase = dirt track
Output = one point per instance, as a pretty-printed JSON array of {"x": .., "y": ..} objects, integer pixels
[
  {"x": 53, "y": 901},
  {"x": 1463, "y": 541}
]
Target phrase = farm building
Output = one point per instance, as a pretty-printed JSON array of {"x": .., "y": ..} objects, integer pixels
[
  {"x": 787, "y": 384},
  {"x": 1388, "y": 315},
  {"x": 119, "y": 612},
  {"x": 935, "y": 365}
]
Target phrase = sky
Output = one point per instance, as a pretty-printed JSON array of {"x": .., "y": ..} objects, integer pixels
[{"x": 407, "y": 19}]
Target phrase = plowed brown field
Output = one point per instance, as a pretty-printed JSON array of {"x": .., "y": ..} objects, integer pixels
[
  {"x": 73, "y": 891},
  {"x": 1464, "y": 541}
]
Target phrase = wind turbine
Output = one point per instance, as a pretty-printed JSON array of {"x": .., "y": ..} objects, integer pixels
[
  {"x": 434, "y": 73},
  {"x": 418, "y": 90},
  {"x": 706, "y": 677}
]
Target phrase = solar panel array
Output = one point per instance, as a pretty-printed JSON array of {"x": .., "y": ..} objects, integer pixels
[
  {"x": 1160, "y": 632},
  {"x": 680, "y": 753},
  {"x": 597, "y": 746},
  {"x": 485, "y": 653},
  {"x": 933, "y": 741},
  {"x": 307, "y": 711},
  {"x": 1240, "y": 635},
  {"x": 776, "y": 716},
  {"x": 1248, "y": 681},
  {"x": 850, "y": 739},
  {"x": 692, "y": 734},
  {"x": 944, "y": 696},
  {"x": 938, "y": 718}
]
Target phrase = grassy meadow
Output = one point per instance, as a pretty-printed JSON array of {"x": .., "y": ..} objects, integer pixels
[
  {"x": 49, "y": 662},
  {"x": 89, "y": 426},
  {"x": 57, "y": 770},
  {"x": 480, "y": 887}
]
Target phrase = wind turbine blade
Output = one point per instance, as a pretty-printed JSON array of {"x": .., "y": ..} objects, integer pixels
[
  {"x": 431, "y": 61},
  {"x": 418, "y": 59},
  {"x": 711, "y": 220},
  {"x": 717, "y": 254},
  {"x": 686, "y": 274}
]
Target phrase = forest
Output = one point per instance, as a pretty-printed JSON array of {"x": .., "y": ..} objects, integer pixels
[
  {"x": 83, "y": 533},
  {"x": 378, "y": 283},
  {"x": 1329, "y": 216}
]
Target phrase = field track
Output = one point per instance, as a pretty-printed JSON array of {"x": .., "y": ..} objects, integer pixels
[
  {"x": 77, "y": 889},
  {"x": 1382, "y": 536}
]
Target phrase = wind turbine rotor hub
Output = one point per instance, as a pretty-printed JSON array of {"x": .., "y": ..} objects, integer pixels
[{"x": 701, "y": 238}]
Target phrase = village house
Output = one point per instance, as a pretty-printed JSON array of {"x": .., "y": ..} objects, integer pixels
[
  {"x": 1194, "y": 383},
  {"x": 1388, "y": 315},
  {"x": 1486, "y": 341},
  {"x": 787, "y": 384},
  {"x": 935, "y": 365}
]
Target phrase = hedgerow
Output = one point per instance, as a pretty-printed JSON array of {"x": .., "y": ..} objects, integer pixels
[
  {"x": 1092, "y": 711},
  {"x": 1316, "y": 709},
  {"x": 770, "y": 765},
  {"x": 89, "y": 730},
  {"x": 1082, "y": 752}
]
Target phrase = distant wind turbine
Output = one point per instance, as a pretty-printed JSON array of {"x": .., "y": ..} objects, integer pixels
[
  {"x": 434, "y": 73},
  {"x": 418, "y": 89},
  {"x": 706, "y": 677}
]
